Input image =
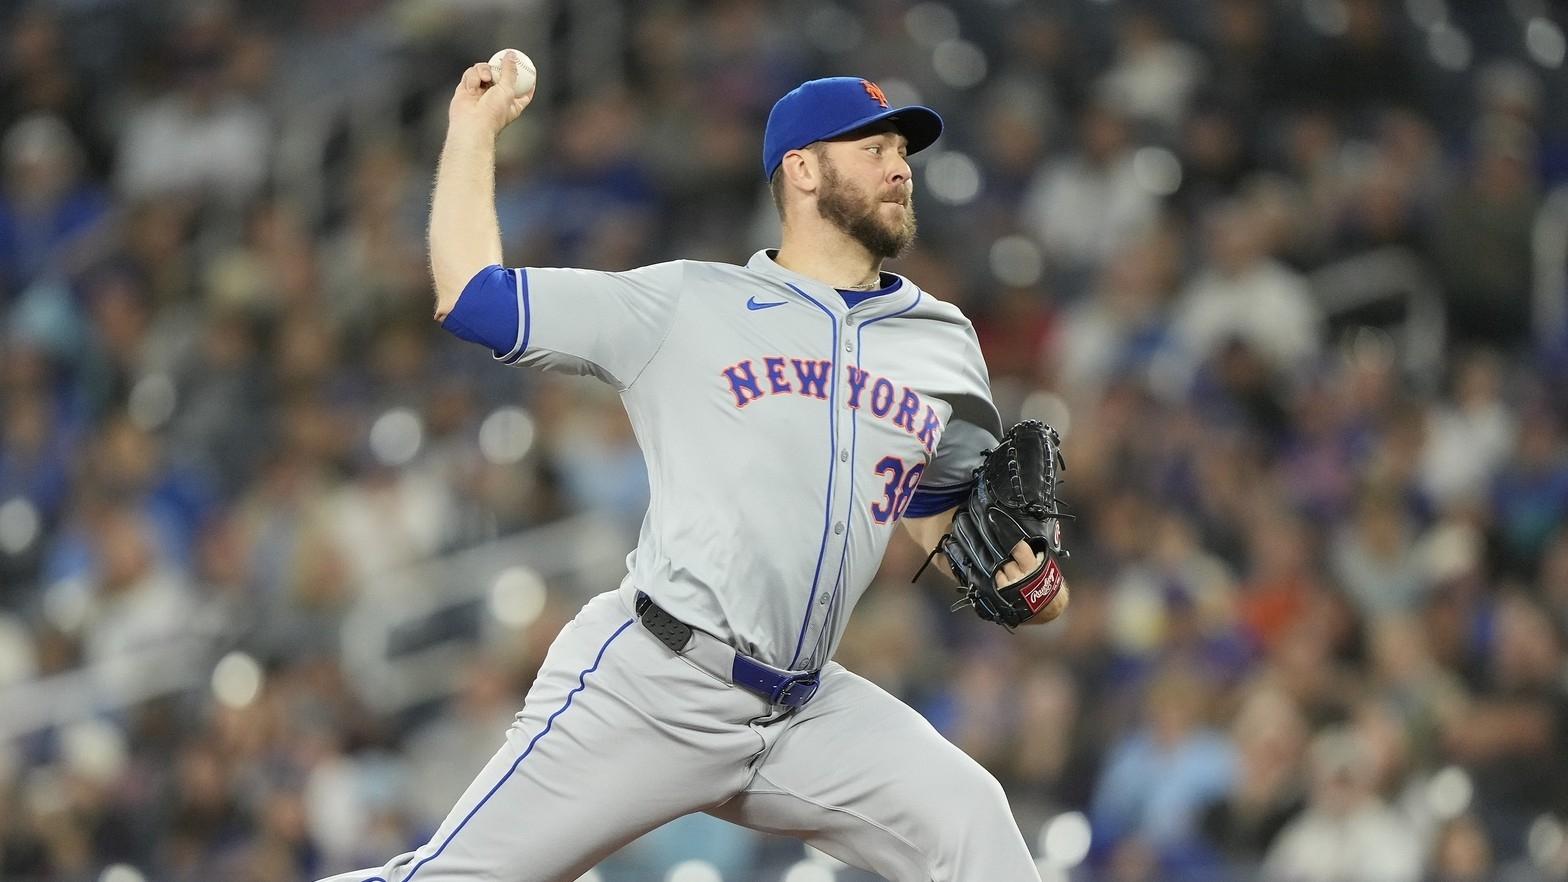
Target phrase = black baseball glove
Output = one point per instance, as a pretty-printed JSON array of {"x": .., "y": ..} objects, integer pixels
[{"x": 1014, "y": 500}]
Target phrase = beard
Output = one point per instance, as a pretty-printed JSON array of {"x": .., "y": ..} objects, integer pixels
[{"x": 858, "y": 215}]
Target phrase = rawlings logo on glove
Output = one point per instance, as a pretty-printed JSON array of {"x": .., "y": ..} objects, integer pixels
[
  {"x": 1014, "y": 500},
  {"x": 1043, "y": 588}
]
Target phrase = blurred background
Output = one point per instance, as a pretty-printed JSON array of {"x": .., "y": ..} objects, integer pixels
[{"x": 278, "y": 558}]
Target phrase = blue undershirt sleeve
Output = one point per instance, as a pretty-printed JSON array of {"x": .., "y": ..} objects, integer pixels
[
  {"x": 488, "y": 311},
  {"x": 934, "y": 500}
]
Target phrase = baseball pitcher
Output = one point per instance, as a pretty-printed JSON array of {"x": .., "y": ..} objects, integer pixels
[{"x": 843, "y": 401}]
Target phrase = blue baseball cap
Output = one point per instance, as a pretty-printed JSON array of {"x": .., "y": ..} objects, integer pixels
[{"x": 820, "y": 109}]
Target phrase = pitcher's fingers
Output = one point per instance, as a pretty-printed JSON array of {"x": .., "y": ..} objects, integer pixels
[
  {"x": 476, "y": 78},
  {"x": 1025, "y": 556}
]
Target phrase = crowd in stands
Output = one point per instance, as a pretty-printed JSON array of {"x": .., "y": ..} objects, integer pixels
[{"x": 1271, "y": 266}]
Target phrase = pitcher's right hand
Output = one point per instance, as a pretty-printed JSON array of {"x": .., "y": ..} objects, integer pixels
[{"x": 484, "y": 104}]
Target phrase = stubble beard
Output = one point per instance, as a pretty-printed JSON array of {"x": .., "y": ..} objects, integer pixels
[{"x": 855, "y": 212}]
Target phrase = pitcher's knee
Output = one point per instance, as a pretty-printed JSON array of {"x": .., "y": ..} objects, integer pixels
[
  {"x": 986, "y": 798},
  {"x": 970, "y": 834},
  {"x": 962, "y": 797}
]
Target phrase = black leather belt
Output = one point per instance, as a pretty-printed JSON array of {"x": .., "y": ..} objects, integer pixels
[{"x": 783, "y": 688}]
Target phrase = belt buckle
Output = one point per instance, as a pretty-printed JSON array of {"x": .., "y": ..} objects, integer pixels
[{"x": 797, "y": 690}]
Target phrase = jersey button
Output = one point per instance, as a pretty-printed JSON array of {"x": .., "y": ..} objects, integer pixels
[
  {"x": 822, "y": 601},
  {"x": 849, "y": 320},
  {"x": 843, "y": 456},
  {"x": 848, "y": 346},
  {"x": 838, "y": 527}
]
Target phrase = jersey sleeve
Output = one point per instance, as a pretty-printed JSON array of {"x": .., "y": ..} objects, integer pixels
[
  {"x": 608, "y": 325},
  {"x": 973, "y": 427}
]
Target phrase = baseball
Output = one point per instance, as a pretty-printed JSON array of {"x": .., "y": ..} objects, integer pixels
[{"x": 527, "y": 74}]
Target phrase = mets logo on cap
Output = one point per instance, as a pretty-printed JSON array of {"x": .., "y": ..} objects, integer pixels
[{"x": 875, "y": 91}]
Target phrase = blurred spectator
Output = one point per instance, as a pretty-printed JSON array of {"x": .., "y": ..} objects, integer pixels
[
  {"x": 1051, "y": 755},
  {"x": 1530, "y": 495},
  {"x": 1242, "y": 294},
  {"x": 35, "y": 455},
  {"x": 1366, "y": 66},
  {"x": 1508, "y": 90},
  {"x": 1153, "y": 75},
  {"x": 1282, "y": 582},
  {"x": 1347, "y": 832},
  {"x": 1122, "y": 328},
  {"x": 203, "y": 139},
  {"x": 1019, "y": 117},
  {"x": 1088, "y": 205},
  {"x": 134, "y": 600},
  {"x": 1268, "y": 789},
  {"x": 1158, "y": 778},
  {"x": 48, "y": 212},
  {"x": 1408, "y": 678},
  {"x": 1019, "y": 324},
  {"x": 273, "y": 268},
  {"x": 1379, "y": 211},
  {"x": 227, "y": 423},
  {"x": 156, "y": 248},
  {"x": 1471, "y": 435},
  {"x": 1384, "y": 732},
  {"x": 1374, "y": 558},
  {"x": 1178, "y": 601},
  {"x": 1461, "y": 853},
  {"x": 1217, "y": 158},
  {"x": 220, "y": 380},
  {"x": 135, "y": 467},
  {"x": 593, "y": 204},
  {"x": 34, "y": 36},
  {"x": 1553, "y": 582},
  {"x": 375, "y": 266},
  {"x": 1250, "y": 66},
  {"x": 1482, "y": 238},
  {"x": 1512, "y": 735},
  {"x": 202, "y": 808}
]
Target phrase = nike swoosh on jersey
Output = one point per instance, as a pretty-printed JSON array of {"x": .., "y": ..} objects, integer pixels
[{"x": 753, "y": 305}]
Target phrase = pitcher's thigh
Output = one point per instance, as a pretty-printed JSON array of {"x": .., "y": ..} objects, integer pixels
[{"x": 866, "y": 779}]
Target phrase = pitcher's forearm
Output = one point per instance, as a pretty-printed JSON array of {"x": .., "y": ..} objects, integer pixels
[{"x": 465, "y": 236}]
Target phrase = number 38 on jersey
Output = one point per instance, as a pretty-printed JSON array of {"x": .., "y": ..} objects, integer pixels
[{"x": 899, "y": 489}]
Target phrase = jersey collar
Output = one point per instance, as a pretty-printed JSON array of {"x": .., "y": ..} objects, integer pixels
[{"x": 899, "y": 295}]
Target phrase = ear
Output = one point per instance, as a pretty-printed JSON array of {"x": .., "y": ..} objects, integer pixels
[{"x": 800, "y": 170}]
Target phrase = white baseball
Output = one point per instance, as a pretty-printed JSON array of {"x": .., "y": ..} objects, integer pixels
[{"x": 527, "y": 74}]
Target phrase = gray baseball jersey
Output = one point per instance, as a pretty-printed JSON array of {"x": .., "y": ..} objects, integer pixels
[{"x": 786, "y": 432}]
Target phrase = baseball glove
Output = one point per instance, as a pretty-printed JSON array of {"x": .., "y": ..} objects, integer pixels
[{"x": 1014, "y": 500}]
